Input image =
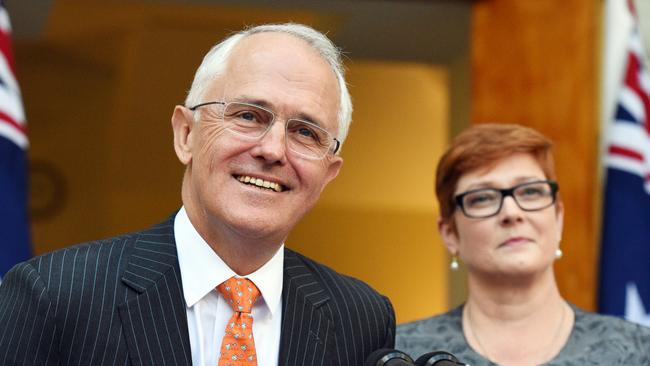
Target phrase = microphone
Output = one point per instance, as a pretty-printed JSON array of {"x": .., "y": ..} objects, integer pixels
[
  {"x": 438, "y": 358},
  {"x": 388, "y": 357}
]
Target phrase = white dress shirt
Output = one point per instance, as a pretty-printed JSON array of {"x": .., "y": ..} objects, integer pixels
[{"x": 202, "y": 270}]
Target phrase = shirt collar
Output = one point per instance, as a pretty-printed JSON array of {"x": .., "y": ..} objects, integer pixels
[{"x": 202, "y": 270}]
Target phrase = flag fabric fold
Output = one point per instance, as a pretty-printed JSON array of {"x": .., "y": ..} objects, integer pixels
[
  {"x": 14, "y": 231},
  {"x": 625, "y": 251}
]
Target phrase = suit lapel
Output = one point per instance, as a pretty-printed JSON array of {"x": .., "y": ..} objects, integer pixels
[
  {"x": 307, "y": 331},
  {"x": 154, "y": 316}
]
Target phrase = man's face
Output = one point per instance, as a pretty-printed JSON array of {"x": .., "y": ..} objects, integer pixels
[{"x": 285, "y": 75}]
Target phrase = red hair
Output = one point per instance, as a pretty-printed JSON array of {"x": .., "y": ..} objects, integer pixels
[{"x": 482, "y": 146}]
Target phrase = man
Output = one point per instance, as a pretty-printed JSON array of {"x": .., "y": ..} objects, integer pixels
[{"x": 259, "y": 136}]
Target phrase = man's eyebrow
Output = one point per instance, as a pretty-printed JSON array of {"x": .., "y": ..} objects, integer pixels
[
  {"x": 265, "y": 104},
  {"x": 253, "y": 100},
  {"x": 306, "y": 117}
]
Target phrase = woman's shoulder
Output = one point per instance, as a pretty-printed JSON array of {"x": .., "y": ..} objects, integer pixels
[
  {"x": 441, "y": 323},
  {"x": 601, "y": 326},
  {"x": 440, "y": 332},
  {"x": 606, "y": 339}
]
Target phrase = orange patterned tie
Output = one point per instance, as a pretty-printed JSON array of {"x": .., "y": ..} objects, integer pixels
[{"x": 238, "y": 346}]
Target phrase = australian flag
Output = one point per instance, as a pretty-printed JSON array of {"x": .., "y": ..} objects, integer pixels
[
  {"x": 625, "y": 254},
  {"x": 14, "y": 231}
]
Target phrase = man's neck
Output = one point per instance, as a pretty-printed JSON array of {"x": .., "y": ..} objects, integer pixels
[
  {"x": 243, "y": 254},
  {"x": 244, "y": 257}
]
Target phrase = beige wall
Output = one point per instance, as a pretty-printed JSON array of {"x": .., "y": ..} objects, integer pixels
[
  {"x": 377, "y": 220},
  {"x": 99, "y": 96}
]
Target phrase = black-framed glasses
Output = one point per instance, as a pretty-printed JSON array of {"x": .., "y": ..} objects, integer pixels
[
  {"x": 253, "y": 122},
  {"x": 486, "y": 202}
]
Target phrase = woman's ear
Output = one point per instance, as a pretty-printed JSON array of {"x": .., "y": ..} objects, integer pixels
[
  {"x": 559, "y": 219},
  {"x": 449, "y": 235}
]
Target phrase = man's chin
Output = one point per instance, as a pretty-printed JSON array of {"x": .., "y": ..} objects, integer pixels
[{"x": 260, "y": 228}]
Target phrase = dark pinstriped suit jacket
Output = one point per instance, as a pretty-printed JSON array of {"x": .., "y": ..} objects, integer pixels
[{"x": 120, "y": 301}]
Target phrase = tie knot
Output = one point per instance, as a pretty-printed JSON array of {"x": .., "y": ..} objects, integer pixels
[{"x": 240, "y": 293}]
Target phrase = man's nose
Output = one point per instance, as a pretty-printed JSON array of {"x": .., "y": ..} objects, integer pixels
[{"x": 272, "y": 146}]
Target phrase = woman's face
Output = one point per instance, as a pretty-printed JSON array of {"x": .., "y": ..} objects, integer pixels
[{"x": 512, "y": 242}]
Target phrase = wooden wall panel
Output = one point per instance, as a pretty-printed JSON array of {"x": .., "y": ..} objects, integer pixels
[{"x": 535, "y": 63}]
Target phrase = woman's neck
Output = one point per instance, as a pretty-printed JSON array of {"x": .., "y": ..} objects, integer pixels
[
  {"x": 516, "y": 322},
  {"x": 505, "y": 299}
]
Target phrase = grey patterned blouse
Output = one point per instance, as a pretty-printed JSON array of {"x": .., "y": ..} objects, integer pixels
[{"x": 595, "y": 340}]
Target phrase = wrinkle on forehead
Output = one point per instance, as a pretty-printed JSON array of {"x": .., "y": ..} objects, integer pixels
[{"x": 285, "y": 73}]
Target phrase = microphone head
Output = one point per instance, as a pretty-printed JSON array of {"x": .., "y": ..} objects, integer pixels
[
  {"x": 437, "y": 358},
  {"x": 382, "y": 357}
]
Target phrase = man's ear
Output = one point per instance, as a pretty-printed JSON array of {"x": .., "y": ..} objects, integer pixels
[
  {"x": 183, "y": 126},
  {"x": 335, "y": 164},
  {"x": 448, "y": 234}
]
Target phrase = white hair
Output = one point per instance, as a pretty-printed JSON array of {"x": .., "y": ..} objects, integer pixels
[{"x": 215, "y": 62}]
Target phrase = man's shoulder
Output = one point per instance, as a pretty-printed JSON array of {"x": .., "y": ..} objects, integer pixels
[
  {"x": 111, "y": 245},
  {"x": 334, "y": 282},
  {"x": 88, "y": 248},
  {"x": 94, "y": 257}
]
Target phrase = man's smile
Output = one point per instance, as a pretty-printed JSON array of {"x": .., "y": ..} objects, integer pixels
[{"x": 261, "y": 183}]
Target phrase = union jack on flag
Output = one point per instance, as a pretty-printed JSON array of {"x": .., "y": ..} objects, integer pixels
[
  {"x": 14, "y": 232},
  {"x": 625, "y": 254}
]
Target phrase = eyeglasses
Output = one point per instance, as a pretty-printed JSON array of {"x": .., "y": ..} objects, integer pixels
[
  {"x": 486, "y": 202},
  {"x": 253, "y": 122}
]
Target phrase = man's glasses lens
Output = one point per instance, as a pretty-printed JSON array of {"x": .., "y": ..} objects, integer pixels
[
  {"x": 247, "y": 119},
  {"x": 302, "y": 137},
  {"x": 487, "y": 202},
  {"x": 307, "y": 139}
]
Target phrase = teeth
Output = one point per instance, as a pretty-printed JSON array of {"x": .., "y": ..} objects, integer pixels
[{"x": 260, "y": 183}]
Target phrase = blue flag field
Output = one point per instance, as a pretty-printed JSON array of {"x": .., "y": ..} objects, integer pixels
[
  {"x": 14, "y": 230},
  {"x": 625, "y": 252}
]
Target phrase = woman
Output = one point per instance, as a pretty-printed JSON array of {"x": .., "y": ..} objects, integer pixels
[{"x": 502, "y": 216}]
